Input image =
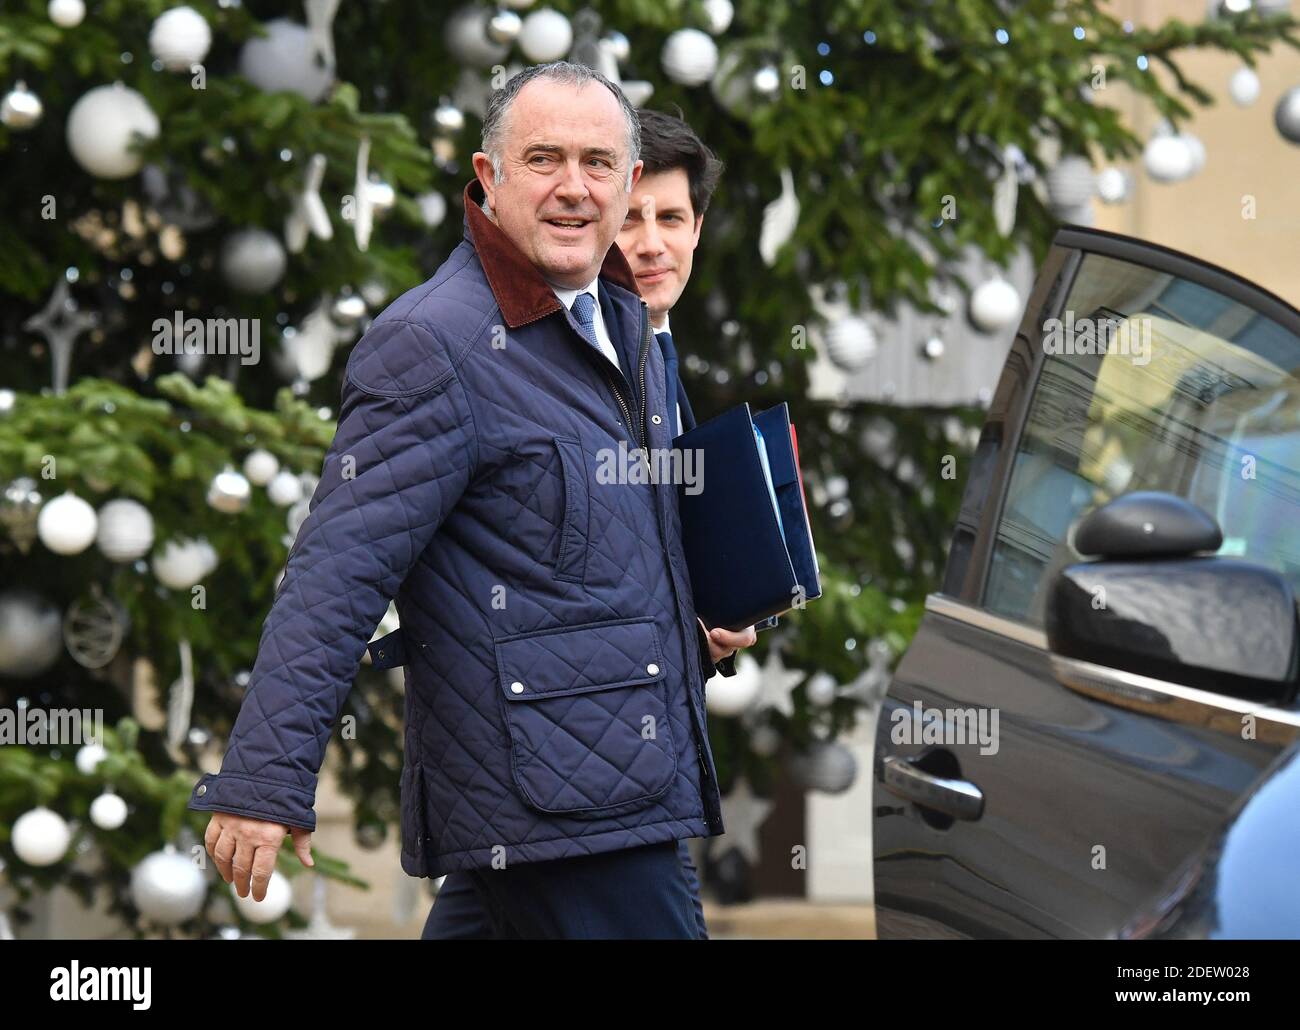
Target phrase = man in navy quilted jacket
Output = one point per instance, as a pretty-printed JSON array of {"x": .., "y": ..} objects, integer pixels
[{"x": 556, "y": 747}]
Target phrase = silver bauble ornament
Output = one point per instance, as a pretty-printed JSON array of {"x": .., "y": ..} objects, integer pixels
[
  {"x": 229, "y": 491},
  {"x": 181, "y": 563},
  {"x": 125, "y": 530},
  {"x": 466, "y": 38},
  {"x": 1113, "y": 185},
  {"x": 21, "y": 109},
  {"x": 348, "y": 309},
  {"x": 1069, "y": 183},
  {"x": 826, "y": 766},
  {"x": 20, "y": 507},
  {"x": 1168, "y": 158},
  {"x": 767, "y": 81},
  {"x": 31, "y": 634},
  {"x": 448, "y": 119},
  {"x": 504, "y": 26},
  {"x": 284, "y": 489},
  {"x": 167, "y": 887},
  {"x": 1286, "y": 116},
  {"x": 252, "y": 260}
]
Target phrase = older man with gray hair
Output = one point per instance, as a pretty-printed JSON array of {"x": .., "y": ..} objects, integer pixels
[{"x": 556, "y": 750}]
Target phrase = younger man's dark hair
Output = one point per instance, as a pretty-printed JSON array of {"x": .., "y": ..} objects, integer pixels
[{"x": 667, "y": 142}]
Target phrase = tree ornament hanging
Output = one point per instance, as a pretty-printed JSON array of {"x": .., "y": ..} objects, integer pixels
[
  {"x": 125, "y": 530},
  {"x": 61, "y": 321},
  {"x": 21, "y": 109},
  {"x": 167, "y": 887},
  {"x": 308, "y": 215},
  {"x": 94, "y": 628},
  {"x": 180, "y": 38},
  {"x": 67, "y": 524},
  {"x": 105, "y": 125},
  {"x": 20, "y": 507},
  {"x": 41, "y": 836}
]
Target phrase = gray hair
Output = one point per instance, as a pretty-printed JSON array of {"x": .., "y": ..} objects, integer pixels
[{"x": 565, "y": 73}]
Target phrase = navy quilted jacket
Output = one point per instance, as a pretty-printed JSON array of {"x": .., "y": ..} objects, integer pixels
[{"x": 554, "y": 666}]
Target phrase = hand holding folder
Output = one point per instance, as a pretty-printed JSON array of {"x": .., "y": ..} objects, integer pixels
[{"x": 746, "y": 533}]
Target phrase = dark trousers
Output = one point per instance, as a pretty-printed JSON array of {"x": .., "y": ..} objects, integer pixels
[{"x": 646, "y": 892}]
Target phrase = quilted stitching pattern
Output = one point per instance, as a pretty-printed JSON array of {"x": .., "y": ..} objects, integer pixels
[{"x": 445, "y": 488}]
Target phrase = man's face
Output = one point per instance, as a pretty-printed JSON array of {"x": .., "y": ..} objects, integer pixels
[
  {"x": 564, "y": 195},
  {"x": 659, "y": 237}
]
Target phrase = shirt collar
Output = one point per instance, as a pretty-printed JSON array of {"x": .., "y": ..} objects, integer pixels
[
  {"x": 566, "y": 295},
  {"x": 668, "y": 325}
]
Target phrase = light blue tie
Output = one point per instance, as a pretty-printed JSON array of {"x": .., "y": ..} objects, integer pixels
[{"x": 584, "y": 310}]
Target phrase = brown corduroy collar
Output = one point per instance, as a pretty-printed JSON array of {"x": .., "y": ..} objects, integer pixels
[{"x": 520, "y": 290}]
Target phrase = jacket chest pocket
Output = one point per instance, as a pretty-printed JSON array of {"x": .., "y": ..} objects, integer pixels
[
  {"x": 571, "y": 555},
  {"x": 587, "y": 716}
]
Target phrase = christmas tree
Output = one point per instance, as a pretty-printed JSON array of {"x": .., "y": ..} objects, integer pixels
[{"x": 205, "y": 205}]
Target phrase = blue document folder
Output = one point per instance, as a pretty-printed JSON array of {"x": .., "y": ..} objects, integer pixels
[{"x": 748, "y": 544}]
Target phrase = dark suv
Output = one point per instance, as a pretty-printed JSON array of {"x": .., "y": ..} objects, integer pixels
[{"x": 1092, "y": 733}]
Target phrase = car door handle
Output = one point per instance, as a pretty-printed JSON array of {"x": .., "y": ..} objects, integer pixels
[{"x": 960, "y": 799}]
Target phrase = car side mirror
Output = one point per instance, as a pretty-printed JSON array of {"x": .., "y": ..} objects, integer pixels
[{"x": 1154, "y": 604}]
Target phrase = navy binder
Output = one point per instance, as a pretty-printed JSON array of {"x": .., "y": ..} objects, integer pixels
[{"x": 745, "y": 563}]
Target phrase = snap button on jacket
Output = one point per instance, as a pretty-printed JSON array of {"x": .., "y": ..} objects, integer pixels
[{"x": 554, "y": 667}]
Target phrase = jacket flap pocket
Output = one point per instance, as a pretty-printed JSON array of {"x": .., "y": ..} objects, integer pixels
[
  {"x": 574, "y": 660},
  {"x": 388, "y": 652}
]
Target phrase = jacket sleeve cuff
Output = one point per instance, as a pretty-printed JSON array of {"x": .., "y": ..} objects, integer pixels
[
  {"x": 259, "y": 798},
  {"x": 706, "y": 656}
]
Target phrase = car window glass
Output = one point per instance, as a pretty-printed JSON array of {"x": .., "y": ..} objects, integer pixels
[{"x": 1152, "y": 382}]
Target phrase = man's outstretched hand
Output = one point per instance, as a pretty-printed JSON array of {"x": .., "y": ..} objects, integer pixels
[
  {"x": 244, "y": 849},
  {"x": 723, "y": 642}
]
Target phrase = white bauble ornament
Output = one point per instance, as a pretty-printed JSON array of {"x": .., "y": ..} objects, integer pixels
[
  {"x": 994, "y": 305},
  {"x": 827, "y": 766},
  {"x": 466, "y": 38},
  {"x": 765, "y": 741},
  {"x": 167, "y": 887},
  {"x": 66, "y": 14},
  {"x": 1286, "y": 116},
  {"x": 546, "y": 35},
  {"x": 348, "y": 310},
  {"x": 285, "y": 59},
  {"x": 67, "y": 524},
  {"x": 102, "y": 126},
  {"x": 821, "y": 689},
  {"x": 718, "y": 15},
  {"x": 767, "y": 81},
  {"x": 732, "y": 85},
  {"x": 180, "y": 38},
  {"x": 125, "y": 530},
  {"x": 108, "y": 811},
  {"x": 229, "y": 491},
  {"x": 504, "y": 27},
  {"x": 252, "y": 260},
  {"x": 1069, "y": 183},
  {"x": 448, "y": 119},
  {"x": 689, "y": 57},
  {"x": 297, "y": 516},
  {"x": 850, "y": 342},
  {"x": 261, "y": 466},
  {"x": 31, "y": 634},
  {"x": 207, "y": 554},
  {"x": 272, "y": 907},
  {"x": 1168, "y": 158},
  {"x": 1113, "y": 185},
  {"x": 21, "y": 109},
  {"x": 89, "y": 756},
  {"x": 284, "y": 489},
  {"x": 1196, "y": 148},
  {"x": 1243, "y": 87},
  {"x": 728, "y": 696},
  {"x": 41, "y": 836},
  {"x": 433, "y": 208},
  {"x": 181, "y": 564}
]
